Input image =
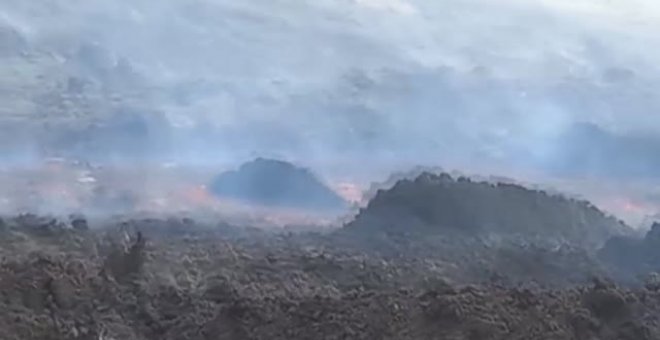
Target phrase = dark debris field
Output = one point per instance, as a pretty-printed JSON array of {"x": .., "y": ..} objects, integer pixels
[{"x": 179, "y": 279}]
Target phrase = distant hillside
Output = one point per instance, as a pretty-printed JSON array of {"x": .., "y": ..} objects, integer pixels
[
  {"x": 632, "y": 257},
  {"x": 440, "y": 204}
]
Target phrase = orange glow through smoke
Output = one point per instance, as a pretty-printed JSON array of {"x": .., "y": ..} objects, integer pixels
[{"x": 200, "y": 197}]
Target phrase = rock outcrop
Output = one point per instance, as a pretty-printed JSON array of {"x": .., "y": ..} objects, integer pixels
[
  {"x": 278, "y": 184},
  {"x": 442, "y": 205}
]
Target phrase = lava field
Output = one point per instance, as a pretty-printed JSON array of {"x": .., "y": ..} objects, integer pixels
[{"x": 178, "y": 278}]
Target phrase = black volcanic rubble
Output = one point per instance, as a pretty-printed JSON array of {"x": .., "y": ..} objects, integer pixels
[
  {"x": 182, "y": 279},
  {"x": 276, "y": 183},
  {"x": 206, "y": 283},
  {"x": 438, "y": 204}
]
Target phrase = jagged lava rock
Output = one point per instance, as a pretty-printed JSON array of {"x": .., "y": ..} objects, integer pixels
[{"x": 440, "y": 204}]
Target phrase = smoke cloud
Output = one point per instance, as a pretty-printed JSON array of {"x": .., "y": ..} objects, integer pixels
[{"x": 347, "y": 87}]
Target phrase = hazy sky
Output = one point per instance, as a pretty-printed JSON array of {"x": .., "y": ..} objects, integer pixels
[
  {"x": 406, "y": 80},
  {"x": 568, "y": 89}
]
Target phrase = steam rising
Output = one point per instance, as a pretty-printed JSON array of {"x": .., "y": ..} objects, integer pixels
[{"x": 354, "y": 88}]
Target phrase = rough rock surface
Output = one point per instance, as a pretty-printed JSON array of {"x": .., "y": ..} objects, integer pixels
[
  {"x": 172, "y": 279},
  {"x": 434, "y": 258},
  {"x": 442, "y": 205}
]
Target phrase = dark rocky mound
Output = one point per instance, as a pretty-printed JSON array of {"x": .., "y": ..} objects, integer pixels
[
  {"x": 396, "y": 177},
  {"x": 631, "y": 257},
  {"x": 278, "y": 184},
  {"x": 439, "y": 204}
]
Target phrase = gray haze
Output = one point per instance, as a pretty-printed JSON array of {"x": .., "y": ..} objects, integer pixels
[{"x": 565, "y": 88}]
